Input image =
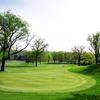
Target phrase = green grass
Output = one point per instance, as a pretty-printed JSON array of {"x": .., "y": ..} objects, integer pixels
[
  {"x": 92, "y": 93},
  {"x": 23, "y": 81}
]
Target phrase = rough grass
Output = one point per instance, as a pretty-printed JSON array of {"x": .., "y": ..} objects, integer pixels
[{"x": 23, "y": 81}]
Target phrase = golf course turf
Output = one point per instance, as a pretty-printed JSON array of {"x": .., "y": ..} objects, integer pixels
[{"x": 44, "y": 79}]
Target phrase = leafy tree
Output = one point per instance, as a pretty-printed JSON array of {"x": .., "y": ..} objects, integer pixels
[
  {"x": 60, "y": 57},
  {"x": 65, "y": 57},
  {"x": 94, "y": 41},
  {"x": 19, "y": 56},
  {"x": 79, "y": 50},
  {"x": 49, "y": 57},
  {"x": 88, "y": 58},
  {"x": 13, "y": 33},
  {"x": 70, "y": 57},
  {"x": 54, "y": 56},
  {"x": 46, "y": 57},
  {"x": 29, "y": 57},
  {"x": 38, "y": 48}
]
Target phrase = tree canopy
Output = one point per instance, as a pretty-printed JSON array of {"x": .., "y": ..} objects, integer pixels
[
  {"x": 38, "y": 48},
  {"x": 13, "y": 33},
  {"x": 79, "y": 50},
  {"x": 94, "y": 41}
]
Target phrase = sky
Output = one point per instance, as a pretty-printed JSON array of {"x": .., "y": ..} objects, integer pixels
[{"x": 62, "y": 23}]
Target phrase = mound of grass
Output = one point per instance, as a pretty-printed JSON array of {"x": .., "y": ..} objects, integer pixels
[
  {"x": 92, "y": 69},
  {"x": 92, "y": 93}
]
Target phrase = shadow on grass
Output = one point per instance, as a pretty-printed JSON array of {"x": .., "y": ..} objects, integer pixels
[
  {"x": 82, "y": 97},
  {"x": 19, "y": 66},
  {"x": 92, "y": 69}
]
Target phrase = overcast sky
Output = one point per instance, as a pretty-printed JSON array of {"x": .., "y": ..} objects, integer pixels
[{"x": 63, "y": 23}]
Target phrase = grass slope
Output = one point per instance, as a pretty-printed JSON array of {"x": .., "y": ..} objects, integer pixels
[{"x": 92, "y": 93}]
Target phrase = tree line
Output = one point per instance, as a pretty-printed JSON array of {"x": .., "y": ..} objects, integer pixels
[{"x": 52, "y": 57}]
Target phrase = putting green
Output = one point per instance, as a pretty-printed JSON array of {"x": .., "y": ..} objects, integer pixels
[{"x": 45, "y": 80}]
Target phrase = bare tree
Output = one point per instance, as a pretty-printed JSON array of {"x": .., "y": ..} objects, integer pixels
[
  {"x": 38, "y": 48},
  {"x": 94, "y": 41},
  {"x": 14, "y": 34},
  {"x": 79, "y": 50}
]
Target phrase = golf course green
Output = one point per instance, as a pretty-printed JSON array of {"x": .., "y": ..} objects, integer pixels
[
  {"x": 51, "y": 78},
  {"x": 24, "y": 81}
]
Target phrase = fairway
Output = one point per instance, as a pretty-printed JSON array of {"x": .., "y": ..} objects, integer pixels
[{"x": 43, "y": 79}]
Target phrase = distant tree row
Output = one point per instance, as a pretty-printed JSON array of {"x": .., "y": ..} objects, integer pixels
[{"x": 56, "y": 57}]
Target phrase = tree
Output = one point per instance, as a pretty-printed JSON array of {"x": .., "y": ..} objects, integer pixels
[
  {"x": 88, "y": 58},
  {"x": 29, "y": 57},
  {"x": 79, "y": 50},
  {"x": 60, "y": 55},
  {"x": 54, "y": 56},
  {"x": 46, "y": 57},
  {"x": 13, "y": 33},
  {"x": 38, "y": 48},
  {"x": 70, "y": 57},
  {"x": 49, "y": 56},
  {"x": 94, "y": 41}
]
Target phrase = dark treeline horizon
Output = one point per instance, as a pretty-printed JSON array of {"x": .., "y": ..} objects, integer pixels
[{"x": 56, "y": 57}]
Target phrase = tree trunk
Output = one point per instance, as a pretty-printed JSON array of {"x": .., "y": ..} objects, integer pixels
[
  {"x": 96, "y": 59},
  {"x": 54, "y": 60},
  {"x": 36, "y": 60},
  {"x": 3, "y": 60},
  {"x": 48, "y": 59},
  {"x": 79, "y": 60},
  {"x": 3, "y": 64}
]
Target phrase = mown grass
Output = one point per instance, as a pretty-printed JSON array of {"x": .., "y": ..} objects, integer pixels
[
  {"x": 92, "y": 93},
  {"x": 48, "y": 74}
]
